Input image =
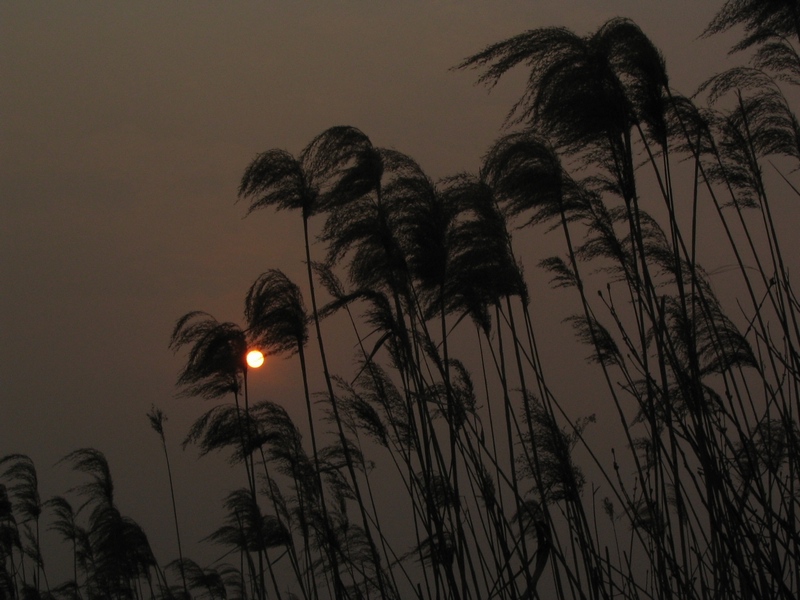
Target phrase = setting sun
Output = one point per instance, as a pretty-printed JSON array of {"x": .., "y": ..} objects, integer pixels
[{"x": 255, "y": 358}]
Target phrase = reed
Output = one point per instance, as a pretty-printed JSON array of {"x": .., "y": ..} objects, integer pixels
[{"x": 450, "y": 463}]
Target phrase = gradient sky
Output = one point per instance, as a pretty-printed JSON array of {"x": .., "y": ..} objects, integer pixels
[{"x": 124, "y": 130}]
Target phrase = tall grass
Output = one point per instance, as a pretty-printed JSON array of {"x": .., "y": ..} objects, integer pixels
[{"x": 496, "y": 489}]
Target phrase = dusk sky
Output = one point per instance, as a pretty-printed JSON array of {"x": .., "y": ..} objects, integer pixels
[{"x": 124, "y": 131}]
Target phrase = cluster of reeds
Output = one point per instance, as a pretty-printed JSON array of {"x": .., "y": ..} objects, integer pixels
[{"x": 700, "y": 499}]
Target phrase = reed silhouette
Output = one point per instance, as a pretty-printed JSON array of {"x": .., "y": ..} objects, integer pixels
[{"x": 449, "y": 464}]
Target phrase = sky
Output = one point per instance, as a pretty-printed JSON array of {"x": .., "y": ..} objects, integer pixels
[{"x": 124, "y": 131}]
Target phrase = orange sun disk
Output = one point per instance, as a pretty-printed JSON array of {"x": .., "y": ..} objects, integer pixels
[{"x": 255, "y": 358}]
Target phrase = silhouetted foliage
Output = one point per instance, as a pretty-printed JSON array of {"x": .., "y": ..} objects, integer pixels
[
  {"x": 216, "y": 355},
  {"x": 439, "y": 469}
]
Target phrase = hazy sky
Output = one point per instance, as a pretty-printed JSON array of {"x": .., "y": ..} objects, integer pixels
[{"x": 124, "y": 130}]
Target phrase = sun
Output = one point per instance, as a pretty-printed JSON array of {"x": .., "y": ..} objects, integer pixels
[{"x": 255, "y": 358}]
